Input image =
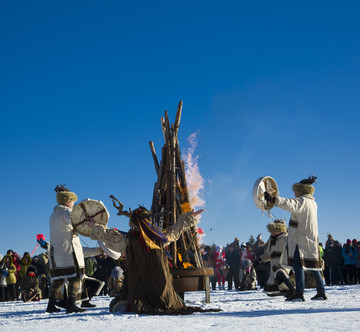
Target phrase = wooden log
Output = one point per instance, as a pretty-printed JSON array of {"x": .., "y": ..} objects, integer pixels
[
  {"x": 153, "y": 152},
  {"x": 177, "y": 118}
]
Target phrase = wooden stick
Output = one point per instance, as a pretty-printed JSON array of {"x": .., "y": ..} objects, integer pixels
[{"x": 156, "y": 162}]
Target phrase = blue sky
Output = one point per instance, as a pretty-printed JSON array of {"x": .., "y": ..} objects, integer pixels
[{"x": 272, "y": 88}]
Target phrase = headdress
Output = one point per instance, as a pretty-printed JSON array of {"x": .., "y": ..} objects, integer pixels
[
  {"x": 277, "y": 226},
  {"x": 64, "y": 195},
  {"x": 305, "y": 186}
]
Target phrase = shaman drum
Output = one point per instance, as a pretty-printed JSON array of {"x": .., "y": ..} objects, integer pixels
[
  {"x": 89, "y": 209},
  {"x": 266, "y": 183}
]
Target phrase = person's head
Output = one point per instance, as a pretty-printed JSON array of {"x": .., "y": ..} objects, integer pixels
[
  {"x": 208, "y": 249},
  {"x": 246, "y": 265},
  {"x": 243, "y": 246},
  {"x": 348, "y": 242},
  {"x": 65, "y": 197},
  {"x": 354, "y": 242},
  {"x": 31, "y": 271},
  {"x": 277, "y": 227},
  {"x": 304, "y": 187},
  {"x": 9, "y": 252}
]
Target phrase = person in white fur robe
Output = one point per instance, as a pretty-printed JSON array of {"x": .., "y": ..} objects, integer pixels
[
  {"x": 302, "y": 251},
  {"x": 66, "y": 253}
]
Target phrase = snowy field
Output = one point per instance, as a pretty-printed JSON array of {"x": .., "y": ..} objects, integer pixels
[{"x": 251, "y": 310}]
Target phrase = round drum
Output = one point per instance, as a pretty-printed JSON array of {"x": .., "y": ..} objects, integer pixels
[
  {"x": 266, "y": 183},
  {"x": 89, "y": 209}
]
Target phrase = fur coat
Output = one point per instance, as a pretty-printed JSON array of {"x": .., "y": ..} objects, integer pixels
[
  {"x": 302, "y": 231},
  {"x": 273, "y": 251},
  {"x": 66, "y": 252}
]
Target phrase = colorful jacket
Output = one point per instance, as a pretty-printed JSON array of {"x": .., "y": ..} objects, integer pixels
[
  {"x": 11, "y": 269},
  {"x": 24, "y": 263},
  {"x": 350, "y": 256},
  {"x": 3, "y": 273}
]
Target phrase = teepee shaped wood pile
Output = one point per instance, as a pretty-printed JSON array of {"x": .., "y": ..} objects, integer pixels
[{"x": 171, "y": 196}]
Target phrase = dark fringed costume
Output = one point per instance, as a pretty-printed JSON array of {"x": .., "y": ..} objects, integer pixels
[{"x": 148, "y": 284}]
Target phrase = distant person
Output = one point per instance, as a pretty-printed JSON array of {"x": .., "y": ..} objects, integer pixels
[
  {"x": 209, "y": 261},
  {"x": 232, "y": 256},
  {"x": 303, "y": 238},
  {"x": 3, "y": 284},
  {"x": 349, "y": 254},
  {"x": 29, "y": 285},
  {"x": 220, "y": 264}
]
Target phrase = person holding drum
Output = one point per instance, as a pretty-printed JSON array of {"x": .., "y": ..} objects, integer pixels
[
  {"x": 66, "y": 253},
  {"x": 302, "y": 252}
]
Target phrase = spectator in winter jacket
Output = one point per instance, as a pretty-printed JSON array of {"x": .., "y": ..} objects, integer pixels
[
  {"x": 90, "y": 266},
  {"x": 220, "y": 266},
  {"x": 248, "y": 281},
  {"x": 209, "y": 261},
  {"x": 356, "y": 245},
  {"x": 232, "y": 256},
  {"x": 24, "y": 263},
  {"x": 115, "y": 281},
  {"x": 29, "y": 285},
  {"x": 10, "y": 278},
  {"x": 302, "y": 252},
  {"x": 349, "y": 254},
  {"x": 3, "y": 284},
  {"x": 245, "y": 253},
  {"x": 334, "y": 261}
]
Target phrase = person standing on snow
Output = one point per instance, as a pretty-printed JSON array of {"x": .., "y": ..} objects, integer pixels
[
  {"x": 66, "y": 253},
  {"x": 303, "y": 238}
]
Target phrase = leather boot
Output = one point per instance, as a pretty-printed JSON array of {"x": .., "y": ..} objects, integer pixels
[
  {"x": 297, "y": 297},
  {"x": 71, "y": 306},
  {"x": 51, "y": 306},
  {"x": 87, "y": 304}
]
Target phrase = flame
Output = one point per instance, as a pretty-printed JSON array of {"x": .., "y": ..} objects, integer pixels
[{"x": 185, "y": 265}]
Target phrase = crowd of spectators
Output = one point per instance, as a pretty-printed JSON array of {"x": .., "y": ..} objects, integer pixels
[
  {"x": 341, "y": 262},
  {"x": 28, "y": 278}
]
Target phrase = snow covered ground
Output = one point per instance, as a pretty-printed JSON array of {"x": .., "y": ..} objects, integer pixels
[{"x": 251, "y": 310}]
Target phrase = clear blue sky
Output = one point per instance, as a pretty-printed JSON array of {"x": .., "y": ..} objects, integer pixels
[{"x": 271, "y": 87}]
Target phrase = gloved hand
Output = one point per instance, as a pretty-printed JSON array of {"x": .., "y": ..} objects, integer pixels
[{"x": 269, "y": 198}]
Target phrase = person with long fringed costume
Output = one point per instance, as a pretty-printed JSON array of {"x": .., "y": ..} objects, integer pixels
[{"x": 148, "y": 285}]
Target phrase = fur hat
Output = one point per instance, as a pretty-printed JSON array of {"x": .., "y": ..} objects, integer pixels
[
  {"x": 64, "y": 195},
  {"x": 277, "y": 226},
  {"x": 305, "y": 186}
]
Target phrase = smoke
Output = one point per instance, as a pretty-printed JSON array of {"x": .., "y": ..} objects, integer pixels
[{"x": 195, "y": 181}]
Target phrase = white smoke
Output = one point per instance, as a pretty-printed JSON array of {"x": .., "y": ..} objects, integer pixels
[{"x": 195, "y": 181}]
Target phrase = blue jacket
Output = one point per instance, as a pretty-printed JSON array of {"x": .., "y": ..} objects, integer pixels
[{"x": 350, "y": 257}]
